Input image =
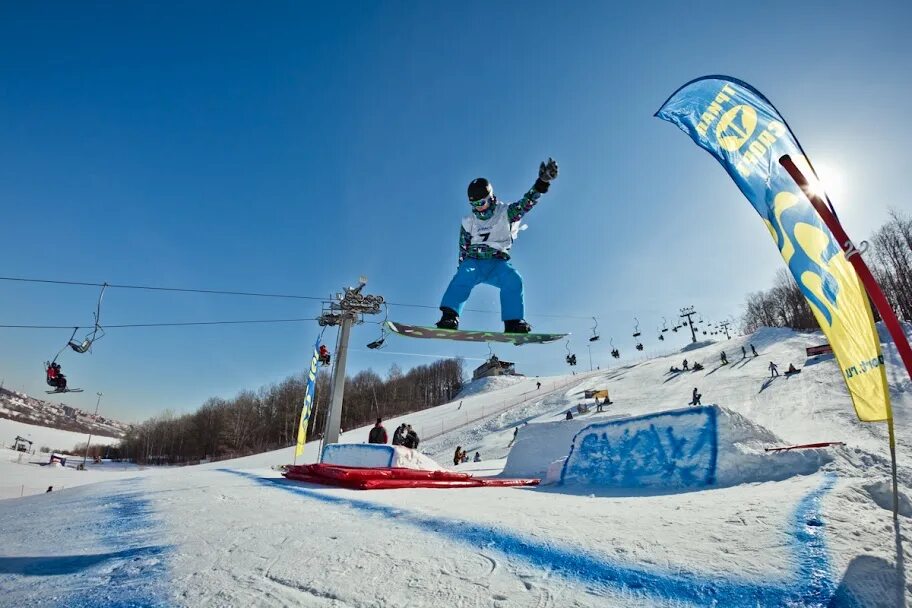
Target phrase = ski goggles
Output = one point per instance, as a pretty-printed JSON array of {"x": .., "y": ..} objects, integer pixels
[{"x": 482, "y": 202}]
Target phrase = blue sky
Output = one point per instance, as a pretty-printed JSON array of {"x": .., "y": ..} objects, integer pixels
[{"x": 290, "y": 147}]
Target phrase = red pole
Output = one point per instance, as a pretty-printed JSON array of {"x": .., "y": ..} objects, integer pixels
[{"x": 874, "y": 292}]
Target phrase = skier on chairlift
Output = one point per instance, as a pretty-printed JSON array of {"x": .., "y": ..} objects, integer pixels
[
  {"x": 484, "y": 244},
  {"x": 55, "y": 377},
  {"x": 324, "y": 354}
]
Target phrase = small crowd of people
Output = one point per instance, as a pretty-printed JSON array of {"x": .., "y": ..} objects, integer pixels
[
  {"x": 462, "y": 456},
  {"x": 404, "y": 435},
  {"x": 774, "y": 370}
]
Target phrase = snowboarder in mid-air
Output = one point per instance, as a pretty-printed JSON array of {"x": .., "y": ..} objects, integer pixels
[{"x": 484, "y": 244}]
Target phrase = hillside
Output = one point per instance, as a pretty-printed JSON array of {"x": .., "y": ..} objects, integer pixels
[
  {"x": 801, "y": 528},
  {"x": 29, "y": 410}
]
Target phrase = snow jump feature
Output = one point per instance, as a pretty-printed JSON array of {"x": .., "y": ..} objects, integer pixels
[{"x": 676, "y": 449}]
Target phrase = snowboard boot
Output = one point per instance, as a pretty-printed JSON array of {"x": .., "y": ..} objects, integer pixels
[
  {"x": 449, "y": 320},
  {"x": 516, "y": 326}
]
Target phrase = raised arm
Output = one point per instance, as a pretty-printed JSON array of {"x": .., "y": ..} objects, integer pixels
[{"x": 547, "y": 172}]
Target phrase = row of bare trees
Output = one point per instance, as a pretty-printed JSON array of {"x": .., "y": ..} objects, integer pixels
[
  {"x": 267, "y": 419},
  {"x": 890, "y": 259}
]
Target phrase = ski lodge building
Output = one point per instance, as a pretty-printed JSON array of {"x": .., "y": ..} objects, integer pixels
[{"x": 494, "y": 367}]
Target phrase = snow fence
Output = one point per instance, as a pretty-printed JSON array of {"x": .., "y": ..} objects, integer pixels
[{"x": 688, "y": 448}]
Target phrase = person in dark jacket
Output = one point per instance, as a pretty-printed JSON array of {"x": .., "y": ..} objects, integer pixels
[
  {"x": 399, "y": 435},
  {"x": 411, "y": 438},
  {"x": 696, "y": 397},
  {"x": 378, "y": 433}
]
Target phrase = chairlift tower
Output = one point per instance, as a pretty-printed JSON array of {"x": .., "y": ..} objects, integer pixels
[
  {"x": 724, "y": 327},
  {"x": 344, "y": 309},
  {"x": 688, "y": 313}
]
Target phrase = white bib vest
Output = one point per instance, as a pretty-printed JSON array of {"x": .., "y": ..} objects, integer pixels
[{"x": 496, "y": 232}]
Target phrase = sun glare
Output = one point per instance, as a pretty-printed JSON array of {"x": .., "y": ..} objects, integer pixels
[{"x": 831, "y": 182}]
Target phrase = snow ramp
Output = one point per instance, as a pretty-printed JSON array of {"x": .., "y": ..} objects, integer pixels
[{"x": 682, "y": 449}]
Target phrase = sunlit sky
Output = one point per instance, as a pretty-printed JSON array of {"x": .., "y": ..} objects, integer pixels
[{"x": 291, "y": 147}]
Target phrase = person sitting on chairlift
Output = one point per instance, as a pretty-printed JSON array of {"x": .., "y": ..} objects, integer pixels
[
  {"x": 55, "y": 377},
  {"x": 324, "y": 354}
]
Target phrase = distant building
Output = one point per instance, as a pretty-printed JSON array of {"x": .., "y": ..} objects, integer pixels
[{"x": 494, "y": 367}]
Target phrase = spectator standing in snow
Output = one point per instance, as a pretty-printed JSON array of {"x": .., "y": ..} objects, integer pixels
[
  {"x": 397, "y": 434},
  {"x": 569, "y": 415},
  {"x": 411, "y": 438},
  {"x": 458, "y": 456},
  {"x": 774, "y": 371},
  {"x": 696, "y": 397},
  {"x": 537, "y": 385},
  {"x": 724, "y": 358},
  {"x": 378, "y": 433},
  {"x": 743, "y": 353},
  {"x": 754, "y": 350},
  {"x": 684, "y": 365},
  {"x": 477, "y": 457}
]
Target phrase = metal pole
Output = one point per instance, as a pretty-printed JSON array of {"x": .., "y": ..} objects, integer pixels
[
  {"x": 334, "y": 419},
  {"x": 589, "y": 346},
  {"x": 89, "y": 442}
]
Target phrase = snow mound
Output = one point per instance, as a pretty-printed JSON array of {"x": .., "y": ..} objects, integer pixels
[
  {"x": 373, "y": 455},
  {"x": 486, "y": 385},
  {"x": 687, "y": 448},
  {"x": 697, "y": 345}
]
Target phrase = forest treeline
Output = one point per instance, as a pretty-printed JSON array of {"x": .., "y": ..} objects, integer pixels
[
  {"x": 267, "y": 419},
  {"x": 889, "y": 256}
]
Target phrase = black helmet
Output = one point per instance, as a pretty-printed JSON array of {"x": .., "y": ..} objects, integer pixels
[{"x": 480, "y": 189}]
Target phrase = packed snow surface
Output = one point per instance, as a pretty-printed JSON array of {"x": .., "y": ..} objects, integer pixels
[{"x": 698, "y": 514}]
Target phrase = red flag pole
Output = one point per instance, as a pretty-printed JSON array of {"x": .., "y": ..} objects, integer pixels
[{"x": 870, "y": 284}]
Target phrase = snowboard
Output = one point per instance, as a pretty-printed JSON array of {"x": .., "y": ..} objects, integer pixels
[
  {"x": 468, "y": 335},
  {"x": 69, "y": 390}
]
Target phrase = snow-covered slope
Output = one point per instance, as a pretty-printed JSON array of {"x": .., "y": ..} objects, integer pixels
[{"x": 235, "y": 533}]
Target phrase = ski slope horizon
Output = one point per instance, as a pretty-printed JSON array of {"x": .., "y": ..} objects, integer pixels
[{"x": 236, "y": 533}]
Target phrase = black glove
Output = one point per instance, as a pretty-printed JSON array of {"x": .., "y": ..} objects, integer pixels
[{"x": 547, "y": 172}]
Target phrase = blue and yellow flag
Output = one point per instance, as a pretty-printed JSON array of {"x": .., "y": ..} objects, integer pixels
[
  {"x": 308, "y": 401},
  {"x": 740, "y": 127}
]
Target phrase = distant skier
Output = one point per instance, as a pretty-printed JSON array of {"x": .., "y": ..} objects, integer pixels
[
  {"x": 477, "y": 457},
  {"x": 569, "y": 415},
  {"x": 378, "y": 433},
  {"x": 743, "y": 353},
  {"x": 484, "y": 244},
  {"x": 791, "y": 370},
  {"x": 50, "y": 489},
  {"x": 695, "y": 400},
  {"x": 537, "y": 385},
  {"x": 515, "y": 432},
  {"x": 754, "y": 350},
  {"x": 724, "y": 358},
  {"x": 774, "y": 371},
  {"x": 684, "y": 365}
]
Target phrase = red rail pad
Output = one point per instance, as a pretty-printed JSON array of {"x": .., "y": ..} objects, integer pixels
[{"x": 394, "y": 478}]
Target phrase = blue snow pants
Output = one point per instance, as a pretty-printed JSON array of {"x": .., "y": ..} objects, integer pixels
[{"x": 497, "y": 273}]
